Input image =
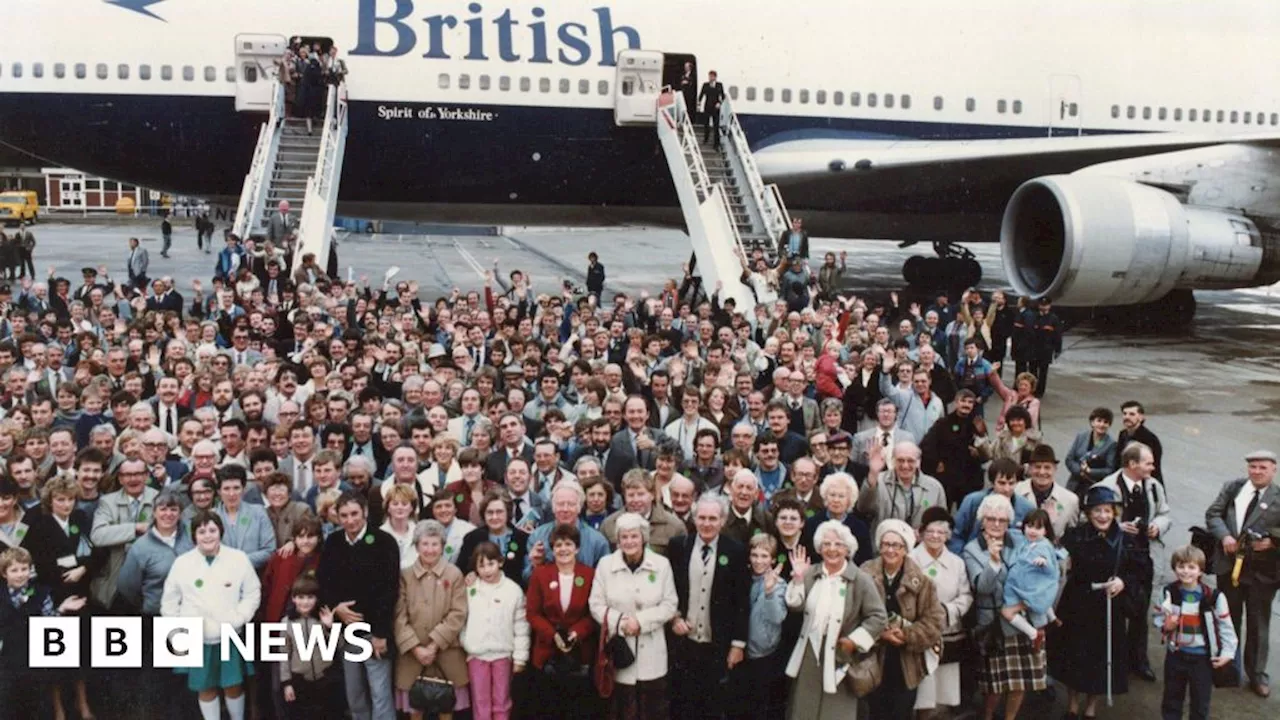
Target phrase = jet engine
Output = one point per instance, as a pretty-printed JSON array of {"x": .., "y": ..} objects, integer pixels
[{"x": 1085, "y": 240}]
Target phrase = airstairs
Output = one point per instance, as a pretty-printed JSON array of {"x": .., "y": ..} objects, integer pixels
[
  {"x": 302, "y": 168},
  {"x": 728, "y": 210}
]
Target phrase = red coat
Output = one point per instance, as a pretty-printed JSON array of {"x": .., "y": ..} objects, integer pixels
[
  {"x": 546, "y": 616},
  {"x": 826, "y": 379},
  {"x": 277, "y": 581}
]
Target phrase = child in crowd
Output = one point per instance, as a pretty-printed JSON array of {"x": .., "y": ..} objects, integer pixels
[
  {"x": 90, "y": 415},
  {"x": 309, "y": 689},
  {"x": 763, "y": 667},
  {"x": 1033, "y": 584},
  {"x": 22, "y": 600},
  {"x": 1198, "y": 633},
  {"x": 496, "y": 636}
]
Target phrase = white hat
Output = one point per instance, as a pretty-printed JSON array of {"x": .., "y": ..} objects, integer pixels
[{"x": 897, "y": 527}]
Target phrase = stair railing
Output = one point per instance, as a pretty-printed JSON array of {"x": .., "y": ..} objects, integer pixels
[{"x": 253, "y": 193}]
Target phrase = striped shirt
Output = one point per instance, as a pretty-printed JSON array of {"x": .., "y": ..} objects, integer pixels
[{"x": 1190, "y": 636}]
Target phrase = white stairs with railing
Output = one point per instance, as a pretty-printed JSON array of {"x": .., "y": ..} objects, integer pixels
[
  {"x": 728, "y": 210},
  {"x": 300, "y": 167}
]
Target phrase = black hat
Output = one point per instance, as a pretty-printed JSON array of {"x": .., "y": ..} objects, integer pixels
[
  {"x": 937, "y": 513},
  {"x": 88, "y": 271},
  {"x": 1043, "y": 453},
  {"x": 1100, "y": 495},
  {"x": 840, "y": 438}
]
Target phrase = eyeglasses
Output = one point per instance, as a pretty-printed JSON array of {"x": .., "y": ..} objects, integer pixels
[
  {"x": 997, "y": 520},
  {"x": 892, "y": 546}
]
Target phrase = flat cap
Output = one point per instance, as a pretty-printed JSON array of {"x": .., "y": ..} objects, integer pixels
[{"x": 1260, "y": 455}]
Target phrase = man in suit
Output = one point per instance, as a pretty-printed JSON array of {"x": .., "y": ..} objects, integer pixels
[
  {"x": 164, "y": 297},
  {"x": 803, "y": 409},
  {"x": 794, "y": 242},
  {"x": 633, "y": 445},
  {"x": 713, "y": 584},
  {"x": 138, "y": 262},
  {"x": 711, "y": 96},
  {"x": 512, "y": 443},
  {"x": 169, "y": 414},
  {"x": 1134, "y": 418},
  {"x": 1245, "y": 520},
  {"x": 461, "y": 427},
  {"x": 282, "y": 225},
  {"x": 886, "y": 432},
  {"x": 239, "y": 351},
  {"x": 1145, "y": 517},
  {"x": 529, "y": 509}
]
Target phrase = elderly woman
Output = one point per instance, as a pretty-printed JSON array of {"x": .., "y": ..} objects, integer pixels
[
  {"x": 1098, "y": 555},
  {"x": 947, "y": 572},
  {"x": 430, "y": 614},
  {"x": 563, "y": 631},
  {"x": 634, "y": 596},
  {"x": 444, "y": 510},
  {"x": 915, "y": 620},
  {"x": 843, "y": 613},
  {"x": 1011, "y": 663},
  {"x": 839, "y": 491},
  {"x": 495, "y": 511},
  {"x": 219, "y": 585}
]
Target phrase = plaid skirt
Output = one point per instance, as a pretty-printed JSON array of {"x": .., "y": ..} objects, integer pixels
[{"x": 1014, "y": 666}]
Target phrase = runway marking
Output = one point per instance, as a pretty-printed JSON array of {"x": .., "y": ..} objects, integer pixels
[
  {"x": 469, "y": 258},
  {"x": 1254, "y": 308}
]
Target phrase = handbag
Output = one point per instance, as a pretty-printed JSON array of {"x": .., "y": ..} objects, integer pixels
[
  {"x": 1204, "y": 540},
  {"x": 604, "y": 671},
  {"x": 432, "y": 695},
  {"x": 954, "y": 650},
  {"x": 865, "y": 672}
]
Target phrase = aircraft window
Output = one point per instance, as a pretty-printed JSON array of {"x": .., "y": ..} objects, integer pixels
[
  {"x": 484, "y": 82},
  {"x": 1208, "y": 115},
  {"x": 904, "y": 102},
  {"x": 122, "y": 71},
  {"x": 1146, "y": 113},
  {"x": 872, "y": 100},
  {"x": 1275, "y": 117},
  {"x": 1235, "y": 116},
  {"x": 504, "y": 83},
  {"x": 1221, "y": 115},
  {"x": 230, "y": 74},
  {"x": 1191, "y": 115},
  {"x": 101, "y": 71},
  {"x": 937, "y": 102},
  {"x": 584, "y": 87},
  {"x": 443, "y": 81},
  {"x": 1115, "y": 111},
  {"x": 602, "y": 87},
  {"x": 250, "y": 72},
  {"x": 1017, "y": 107},
  {"x": 1177, "y": 114},
  {"x": 1163, "y": 114},
  {"x": 544, "y": 85},
  {"x": 188, "y": 73},
  {"x": 1131, "y": 112},
  {"x": 855, "y": 99},
  {"x": 970, "y": 104},
  {"x": 733, "y": 92},
  {"x": 786, "y": 95},
  {"x": 768, "y": 94},
  {"x": 888, "y": 100},
  {"x": 210, "y": 73},
  {"x": 820, "y": 97},
  {"x": 1074, "y": 109},
  {"x": 804, "y": 97},
  {"x": 81, "y": 71},
  {"x": 37, "y": 70},
  {"x": 59, "y": 70},
  {"x": 837, "y": 97},
  {"x": 751, "y": 94},
  {"x": 565, "y": 85},
  {"x": 166, "y": 72},
  {"x": 144, "y": 73},
  {"x": 1002, "y": 106},
  {"x": 17, "y": 70},
  {"x": 1247, "y": 116},
  {"x": 464, "y": 81}
]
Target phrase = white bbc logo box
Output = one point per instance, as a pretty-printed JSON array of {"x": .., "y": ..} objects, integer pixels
[{"x": 115, "y": 642}]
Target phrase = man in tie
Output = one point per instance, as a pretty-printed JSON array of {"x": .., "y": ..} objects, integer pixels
[
  {"x": 1245, "y": 520},
  {"x": 302, "y": 446},
  {"x": 803, "y": 409},
  {"x": 632, "y": 446},
  {"x": 886, "y": 432},
  {"x": 240, "y": 352},
  {"x": 1145, "y": 517},
  {"x": 528, "y": 508},
  {"x": 169, "y": 415},
  {"x": 138, "y": 262},
  {"x": 465, "y": 424},
  {"x": 713, "y": 584},
  {"x": 711, "y": 95},
  {"x": 513, "y": 444},
  {"x": 282, "y": 225}
]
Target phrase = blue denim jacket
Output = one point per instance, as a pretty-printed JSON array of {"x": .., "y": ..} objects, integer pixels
[{"x": 767, "y": 613}]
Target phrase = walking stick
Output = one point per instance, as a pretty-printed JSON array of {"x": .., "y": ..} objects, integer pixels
[{"x": 1103, "y": 586}]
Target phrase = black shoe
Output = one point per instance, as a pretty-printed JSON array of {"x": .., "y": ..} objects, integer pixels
[{"x": 1145, "y": 672}]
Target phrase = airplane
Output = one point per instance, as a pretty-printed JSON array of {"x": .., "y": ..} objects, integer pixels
[{"x": 1121, "y": 151}]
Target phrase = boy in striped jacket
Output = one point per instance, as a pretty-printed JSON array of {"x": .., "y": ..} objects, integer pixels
[{"x": 1198, "y": 633}]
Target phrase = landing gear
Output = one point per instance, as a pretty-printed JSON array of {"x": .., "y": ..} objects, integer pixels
[
  {"x": 1170, "y": 315},
  {"x": 954, "y": 268}
]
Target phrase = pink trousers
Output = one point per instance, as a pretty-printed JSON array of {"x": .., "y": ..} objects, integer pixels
[{"x": 490, "y": 688}]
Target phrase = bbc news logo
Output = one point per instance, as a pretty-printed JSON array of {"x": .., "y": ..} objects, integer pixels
[{"x": 178, "y": 642}]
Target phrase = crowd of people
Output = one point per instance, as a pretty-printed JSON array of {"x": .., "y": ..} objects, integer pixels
[
  {"x": 550, "y": 504},
  {"x": 306, "y": 70}
]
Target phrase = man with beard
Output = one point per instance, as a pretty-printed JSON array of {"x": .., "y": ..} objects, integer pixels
[
  {"x": 948, "y": 451},
  {"x": 1134, "y": 417}
]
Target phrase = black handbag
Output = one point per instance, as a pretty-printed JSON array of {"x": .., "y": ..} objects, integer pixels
[
  {"x": 432, "y": 695},
  {"x": 1204, "y": 540},
  {"x": 954, "y": 650},
  {"x": 620, "y": 652},
  {"x": 564, "y": 666}
]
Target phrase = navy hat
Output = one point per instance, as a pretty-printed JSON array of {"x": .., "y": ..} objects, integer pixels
[
  {"x": 1100, "y": 495},
  {"x": 88, "y": 271},
  {"x": 937, "y": 513}
]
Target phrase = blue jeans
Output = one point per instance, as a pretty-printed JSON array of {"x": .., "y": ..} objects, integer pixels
[
  {"x": 1180, "y": 670},
  {"x": 369, "y": 690}
]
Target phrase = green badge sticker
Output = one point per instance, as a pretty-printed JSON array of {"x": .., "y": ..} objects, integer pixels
[
  {"x": 448, "y": 549},
  {"x": 1058, "y": 505},
  {"x": 473, "y": 592},
  {"x": 199, "y": 583},
  {"x": 75, "y": 529},
  {"x": 459, "y": 498},
  {"x": 142, "y": 516},
  {"x": 29, "y": 591},
  {"x": 21, "y": 533},
  {"x": 926, "y": 504},
  {"x": 244, "y": 521},
  {"x": 513, "y": 546},
  {"x": 782, "y": 558},
  {"x": 368, "y": 539},
  {"x": 843, "y": 591},
  {"x": 756, "y": 532},
  {"x": 809, "y": 513},
  {"x": 933, "y": 572},
  {"x": 724, "y": 561},
  {"x": 579, "y": 581},
  {"x": 653, "y": 577},
  {"x": 955, "y": 428}
]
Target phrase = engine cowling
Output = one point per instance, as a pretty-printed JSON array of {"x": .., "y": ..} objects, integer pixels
[{"x": 1088, "y": 241}]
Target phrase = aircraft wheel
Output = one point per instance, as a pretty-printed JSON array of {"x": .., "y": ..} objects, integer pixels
[{"x": 913, "y": 270}]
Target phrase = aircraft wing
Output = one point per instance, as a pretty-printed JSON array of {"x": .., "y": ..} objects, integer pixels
[{"x": 954, "y": 179}]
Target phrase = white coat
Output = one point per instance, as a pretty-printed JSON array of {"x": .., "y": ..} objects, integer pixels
[
  {"x": 225, "y": 591},
  {"x": 648, "y": 595}
]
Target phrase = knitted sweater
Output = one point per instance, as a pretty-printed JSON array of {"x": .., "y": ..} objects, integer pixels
[{"x": 497, "y": 625}]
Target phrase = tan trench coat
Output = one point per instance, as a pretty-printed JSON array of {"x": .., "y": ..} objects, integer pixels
[{"x": 432, "y": 608}]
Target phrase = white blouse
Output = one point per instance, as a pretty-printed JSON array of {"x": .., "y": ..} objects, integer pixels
[
  {"x": 566, "y": 590},
  {"x": 826, "y": 605}
]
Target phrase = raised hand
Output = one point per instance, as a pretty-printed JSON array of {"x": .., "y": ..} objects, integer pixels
[{"x": 799, "y": 562}]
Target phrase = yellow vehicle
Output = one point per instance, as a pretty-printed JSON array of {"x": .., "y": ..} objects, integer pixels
[{"x": 19, "y": 205}]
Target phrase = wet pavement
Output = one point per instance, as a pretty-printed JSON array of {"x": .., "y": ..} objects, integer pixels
[{"x": 1212, "y": 392}]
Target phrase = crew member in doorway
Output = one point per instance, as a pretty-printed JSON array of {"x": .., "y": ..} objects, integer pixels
[
  {"x": 711, "y": 96},
  {"x": 689, "y": 88},
  {"x": 794, "y": 242}
]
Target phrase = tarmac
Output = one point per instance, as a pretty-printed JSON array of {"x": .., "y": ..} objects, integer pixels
[{"x": 1211, "y": 391}]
